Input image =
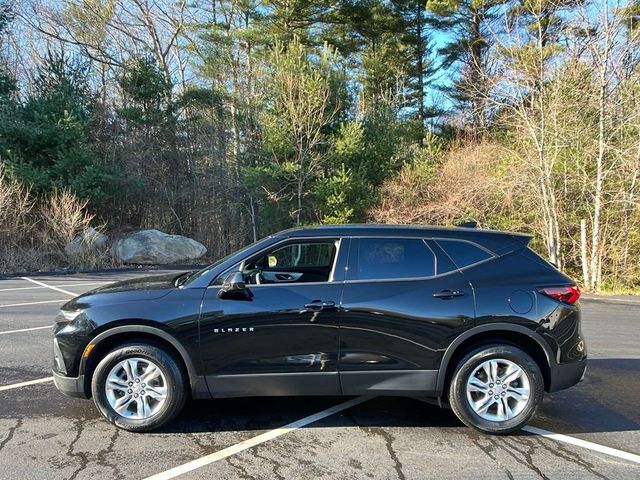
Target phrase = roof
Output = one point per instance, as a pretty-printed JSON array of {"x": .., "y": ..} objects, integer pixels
[
  {"x": 386, "y": 229},
  {"x": 494, "y": 240}
]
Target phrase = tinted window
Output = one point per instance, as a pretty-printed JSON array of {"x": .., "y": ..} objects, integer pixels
[
  {"x": 380, "y": 258},
  {"x": 463, "y": 254},
  {"x": 444, "y": 264}
]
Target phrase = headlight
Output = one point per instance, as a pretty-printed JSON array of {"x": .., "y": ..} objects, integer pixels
[{"x": 69, "y": 315}]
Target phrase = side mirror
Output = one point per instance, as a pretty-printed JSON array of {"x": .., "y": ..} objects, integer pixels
[{"x": 234, "y": 287}]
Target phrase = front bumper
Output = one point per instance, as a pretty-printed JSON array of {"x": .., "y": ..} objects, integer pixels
[
  {"x": 566, "y": 375},
  {"x": 70, "y": 386}
]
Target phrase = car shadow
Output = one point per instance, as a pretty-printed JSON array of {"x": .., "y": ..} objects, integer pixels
[
  {"x": 608, "y": 400},
  {"x": 267, "y": 413}
]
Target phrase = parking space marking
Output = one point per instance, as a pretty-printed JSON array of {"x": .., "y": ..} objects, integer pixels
[
  {"x": 257, "y": 440},
  {"x": 25, "y": 384},
  {"x": 632, "y": 457},
  {"x": 558, "y": 437},
  {"x": 34, "y": 303},
  {"x": 49, "y": 286},
  {"x": 66, "y": 285},
  {"x": 26, "y": 330}
]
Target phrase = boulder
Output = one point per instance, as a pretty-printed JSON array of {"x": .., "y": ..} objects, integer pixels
[
  {"x": 89, "y": 241},
  {"x": 156, "y": 247}
]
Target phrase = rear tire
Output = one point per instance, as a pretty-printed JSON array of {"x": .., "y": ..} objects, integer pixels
[
  {"x": 139, "y": 387},
  {"x": 480, "y": 397}
]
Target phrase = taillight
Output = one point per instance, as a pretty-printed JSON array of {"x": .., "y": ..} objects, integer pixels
[{"x": 567, "y": 294}]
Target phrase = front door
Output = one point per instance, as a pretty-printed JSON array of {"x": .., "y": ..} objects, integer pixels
[
  {"x": 282, "y": 338},
  {"x": 398, "y": 316}
]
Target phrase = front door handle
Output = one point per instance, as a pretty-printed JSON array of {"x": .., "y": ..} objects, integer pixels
[
  {"x": 318, "y": 305},
  {"x": 446, "y": 294}
]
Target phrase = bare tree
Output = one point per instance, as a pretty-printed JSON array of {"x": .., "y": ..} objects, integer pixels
[
  {"x": 521, "y": 93},
  {"x": 119, "y": 28}
]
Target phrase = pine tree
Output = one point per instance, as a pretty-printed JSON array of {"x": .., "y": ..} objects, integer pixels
[
  {"x": 369, "y": 35},
  {"x": 465, "y": 24},
  {"x": 420, "y": 66},
  {"x": 8, "y": 84}
]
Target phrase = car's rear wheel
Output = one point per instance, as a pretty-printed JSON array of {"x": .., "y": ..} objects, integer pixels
[
  {"x": 496, "y": 389},
  {"x": 139, "y": 387}
]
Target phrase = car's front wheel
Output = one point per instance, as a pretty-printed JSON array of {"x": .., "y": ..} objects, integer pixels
[
  {"x": 139, "y": 387},
  {"x": 496, "y": 389}
]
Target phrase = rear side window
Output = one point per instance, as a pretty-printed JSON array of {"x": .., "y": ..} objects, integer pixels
[
  {"x": 387, "y": 258},
  {"x": 463, "y": 254}
]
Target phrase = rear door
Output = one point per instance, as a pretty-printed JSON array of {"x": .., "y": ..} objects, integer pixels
[{"x": 398, "y": 316}]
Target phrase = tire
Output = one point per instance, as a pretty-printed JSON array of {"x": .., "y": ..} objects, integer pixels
[
  {"x": 157, "y": 409},
  {"x": 497, "y": 418}
]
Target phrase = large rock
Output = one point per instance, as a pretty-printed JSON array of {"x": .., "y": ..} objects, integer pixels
[
  {"x": 89, "y": 241},
  {"x": 156, "y": 247}
]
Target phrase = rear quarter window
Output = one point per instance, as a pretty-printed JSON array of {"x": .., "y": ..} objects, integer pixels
[{"x": 463, "y": 254}]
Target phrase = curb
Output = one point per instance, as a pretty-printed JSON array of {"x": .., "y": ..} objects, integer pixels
[{"x": 621, "y": 301}]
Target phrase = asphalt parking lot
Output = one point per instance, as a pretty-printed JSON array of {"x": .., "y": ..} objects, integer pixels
[{"x": 589, "y": 431}]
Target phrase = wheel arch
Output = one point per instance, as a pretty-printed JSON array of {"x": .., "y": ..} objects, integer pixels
[
  {"x": 517, "y": 335},
  {"x": 111, "y": 338}
]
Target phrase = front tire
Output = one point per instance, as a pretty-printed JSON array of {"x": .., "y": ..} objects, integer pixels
[
  {"x": 139, "y": 387},
  {"x": 496, "y": 389}
]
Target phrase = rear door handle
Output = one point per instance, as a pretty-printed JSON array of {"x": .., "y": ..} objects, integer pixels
[
  {"x": 445, "y": 294},
  {"x": 318, "y": 305}
]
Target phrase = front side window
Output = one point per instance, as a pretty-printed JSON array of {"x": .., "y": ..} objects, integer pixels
[
  {"x": 300, "y": 255},
  {"x": 393, "y": 258},
  {"x": 299, "y": 262}
]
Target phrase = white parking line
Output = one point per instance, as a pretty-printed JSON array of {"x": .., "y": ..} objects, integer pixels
[
  {"x": 33, "y": 303},
  {"x": 25, "y": 330},
  {"x": 67, "y": 285},
  {"x": 25, "y": 384},
  {"x": 558, "y": 437},
  {"x": 257, "y": 440},
  {"x": 49, "y": 286},
  {"x": 614, "y": 452}
]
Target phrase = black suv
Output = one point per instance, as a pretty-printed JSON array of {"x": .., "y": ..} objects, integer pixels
[{"x": 470, "y": 317}]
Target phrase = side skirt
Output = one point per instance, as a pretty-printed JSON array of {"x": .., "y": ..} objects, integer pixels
[
  {"x": 390, "y": 382},
  {"x": 379, "y": 382},
  {"x": 274, "y": 384}
]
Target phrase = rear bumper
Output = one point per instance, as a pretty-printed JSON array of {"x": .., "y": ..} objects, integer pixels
[
  {"x": 70, "y": 386},
  {"x": 566, "y": 375}
]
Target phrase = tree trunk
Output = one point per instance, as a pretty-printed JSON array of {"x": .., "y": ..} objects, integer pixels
[
  {"x": 420, "y": 48},
  {"x": 476, "y": 74},
  {"x": 254, "y": 226},
  {"x": 596, "y": 249},
  {"x": 583, "y": 252},
  {"x": 299, "y": 198}
]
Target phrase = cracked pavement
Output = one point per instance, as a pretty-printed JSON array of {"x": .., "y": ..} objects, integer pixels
[{"x": 44, "y": 435}]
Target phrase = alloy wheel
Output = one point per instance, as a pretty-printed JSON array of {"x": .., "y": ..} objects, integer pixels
[
  {"x": 498, "y": 390},
  {"x": 136, "y": 388}
]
